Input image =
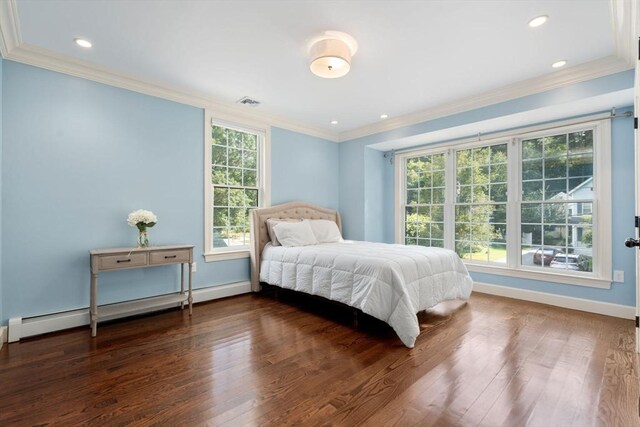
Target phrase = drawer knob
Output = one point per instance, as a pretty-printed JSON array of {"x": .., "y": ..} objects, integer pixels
[
  {"x": 169, "y": 256},
  {"x": 123, "y": 260}
]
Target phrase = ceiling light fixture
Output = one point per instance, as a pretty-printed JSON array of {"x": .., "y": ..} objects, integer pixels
[
  {"x": 559, "y": 64},
  {"x": 538, "y": 20},
  {"x": 334, "y": 122},
  {"x": 384, "y": 116},
  {"x": 82, "y": 42},
  {"x": 331, "y": 54}
]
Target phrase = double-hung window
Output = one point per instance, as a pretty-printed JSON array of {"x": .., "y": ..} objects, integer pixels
[
  {"x": 424, "y": 219},
  {"x": 533, "y": 204},
  {"x": 234, "y": 184},
  {"x": 481, "y": 203},
  {"x": 557, "y": 201}
]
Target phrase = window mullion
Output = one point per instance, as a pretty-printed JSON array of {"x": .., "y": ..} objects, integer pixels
[
  {"x": 514, "y": 193},
  {"x": 450, "y": 198}
]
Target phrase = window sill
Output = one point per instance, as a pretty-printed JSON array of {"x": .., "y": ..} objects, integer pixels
[
  {"x": 567, "y": 279},
  {"x": 226, "y": 255}
]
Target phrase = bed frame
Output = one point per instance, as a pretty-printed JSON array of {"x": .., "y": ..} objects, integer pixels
[{"x": 260, "y": 236}]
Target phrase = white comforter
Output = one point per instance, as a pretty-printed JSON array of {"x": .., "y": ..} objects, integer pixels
[{"x": 389, "y": 282}]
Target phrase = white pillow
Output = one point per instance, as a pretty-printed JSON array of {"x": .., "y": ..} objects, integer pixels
[
  {"x": 271, "y": 222},
  {"x": 326, "y": 231},
  {"x": 295, "y": 234}
]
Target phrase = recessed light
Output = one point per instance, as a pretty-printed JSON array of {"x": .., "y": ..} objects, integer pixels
[
  {"x": 334, "y": 122},
  {"x": 559, "y": 64},
  {"x": 538, "y": 20},
  {"x": 384, "y": 116},
  {"x": 84, "y": 43}
]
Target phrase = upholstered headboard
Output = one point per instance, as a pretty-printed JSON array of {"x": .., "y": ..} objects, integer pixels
[{"x": 260, "y": 236}]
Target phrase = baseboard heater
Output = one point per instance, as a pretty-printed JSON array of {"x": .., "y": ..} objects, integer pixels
[{"x": 20, "y": 327}]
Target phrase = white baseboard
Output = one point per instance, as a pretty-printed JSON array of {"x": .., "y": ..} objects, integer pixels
[
  {"x": 216, "y": 292},
  {"x": 3, "y": 335},
  {"x": 15, "y": 329},
  {"x": 28, "y": 327},
  {"x": 591, "y": 306}
]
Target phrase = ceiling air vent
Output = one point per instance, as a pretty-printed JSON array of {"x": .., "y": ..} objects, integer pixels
[{"x": 245, "y": 100}]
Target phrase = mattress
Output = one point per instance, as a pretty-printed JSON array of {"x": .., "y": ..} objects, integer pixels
[{"x": 389, "y": 282}]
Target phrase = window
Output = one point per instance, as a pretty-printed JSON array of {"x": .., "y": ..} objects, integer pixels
[
  {"x": 557, "y": 198},
  {"x": 424, "y": 214},
  {"x": 481, "y": 203},
  {"x": 234, "y": 184},
  {"x": 535, "y": 204}
]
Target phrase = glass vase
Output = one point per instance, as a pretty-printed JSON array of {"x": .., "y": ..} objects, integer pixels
[{"x": 143, "y": 238}]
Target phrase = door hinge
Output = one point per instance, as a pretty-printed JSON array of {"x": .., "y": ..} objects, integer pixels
[
  {"x": 638, "y": 48},
  {"x": 638, "y": 222},
  {"x": 637, "y": 322},
  {"x": 635, "y": 123}
]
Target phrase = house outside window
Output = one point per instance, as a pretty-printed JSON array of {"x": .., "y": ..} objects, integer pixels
[{"x": 534, "y": 204}]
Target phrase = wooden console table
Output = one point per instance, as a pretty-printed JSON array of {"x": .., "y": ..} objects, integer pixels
[{"x": 126, "y": 258}]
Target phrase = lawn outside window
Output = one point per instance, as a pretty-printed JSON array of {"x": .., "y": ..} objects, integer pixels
[{"x": 533, "y": 204}]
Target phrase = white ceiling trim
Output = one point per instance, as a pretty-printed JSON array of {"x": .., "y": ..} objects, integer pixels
[
  {"x": 491, "y": 128},
  {"x": 10, "y": 37},
  {"x": 622, "y": 16},
  {"x": 43, "y": 58},
  {"x": 579, "y": 73},
  {"x": 12, "y": 48}
]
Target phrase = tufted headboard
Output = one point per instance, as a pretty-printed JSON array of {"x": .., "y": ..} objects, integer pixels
[{"x": 260, "y": 236}]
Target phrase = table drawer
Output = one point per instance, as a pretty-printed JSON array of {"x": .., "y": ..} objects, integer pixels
[
  {"x": 169, "y": 257},
  {"x": 110, "y": 262}
]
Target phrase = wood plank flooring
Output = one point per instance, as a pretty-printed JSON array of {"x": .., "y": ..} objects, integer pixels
[{"x": 252, "y": 360}]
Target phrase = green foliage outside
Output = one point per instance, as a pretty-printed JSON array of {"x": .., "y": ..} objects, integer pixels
[
  {"x": 553, "y": 167},
  {"x": 234, "y": 158}
]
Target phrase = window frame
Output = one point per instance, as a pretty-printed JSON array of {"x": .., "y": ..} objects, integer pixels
[
  {"x": 600, "y": 277},
  {"x": 453, "y": 155},
  {"x": 263, "y": 177}
]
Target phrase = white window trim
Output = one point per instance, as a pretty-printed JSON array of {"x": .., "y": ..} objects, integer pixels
[
  {"x": 222, "y": 254},
  {"x": 602, "y": 269}
]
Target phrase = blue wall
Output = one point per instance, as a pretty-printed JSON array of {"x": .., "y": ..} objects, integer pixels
[
  {"x": 361, "y": 172},
  {"x": 352, "y": 190},
  {"x": 78, "y": 156},
  {"x": 378, "y": 205},
  {"x": 304, "y": 168}
]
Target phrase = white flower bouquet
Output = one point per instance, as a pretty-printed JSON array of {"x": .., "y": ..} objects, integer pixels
[{"x": 142, "y": 220}]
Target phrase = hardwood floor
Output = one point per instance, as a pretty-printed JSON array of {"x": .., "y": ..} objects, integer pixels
[{"x": 251, "y": 360}]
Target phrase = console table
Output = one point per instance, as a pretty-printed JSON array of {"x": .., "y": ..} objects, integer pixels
[{"x": 127, "y": 258}]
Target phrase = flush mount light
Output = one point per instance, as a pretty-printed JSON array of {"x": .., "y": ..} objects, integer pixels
[
  {"x": 559, "y": 64},
  {"x": 82, "y": 42},
  {"x": 334, "y": 122},
  {"x": 384, "y": 116},
  {"x": 331, "y": 54},
  {"x": 538, "y": 20}
]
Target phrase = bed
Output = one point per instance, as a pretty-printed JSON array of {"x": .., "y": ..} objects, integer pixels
[{"x": 389, "y": 282}]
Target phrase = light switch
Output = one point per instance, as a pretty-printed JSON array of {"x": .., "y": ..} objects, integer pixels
[{"x": 618, "y": 276}]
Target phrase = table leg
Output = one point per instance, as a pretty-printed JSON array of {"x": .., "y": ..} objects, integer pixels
[
  {"x": 190, "y": 289},
  {"x": 93, "y": 313},
  {"x": 182, "y": 285}
]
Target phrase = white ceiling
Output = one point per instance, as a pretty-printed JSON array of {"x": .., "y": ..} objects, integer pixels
[{"x": 413, "y": 55}]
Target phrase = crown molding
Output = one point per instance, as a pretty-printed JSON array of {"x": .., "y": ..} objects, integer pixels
[
  {"x": 10, "y": 37},
  {"x": 13, "y": 48},
  {"x": 43, "y": 58},
  {"x": 623, "y": 15},
  {"x": 572, "y": 75}
]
